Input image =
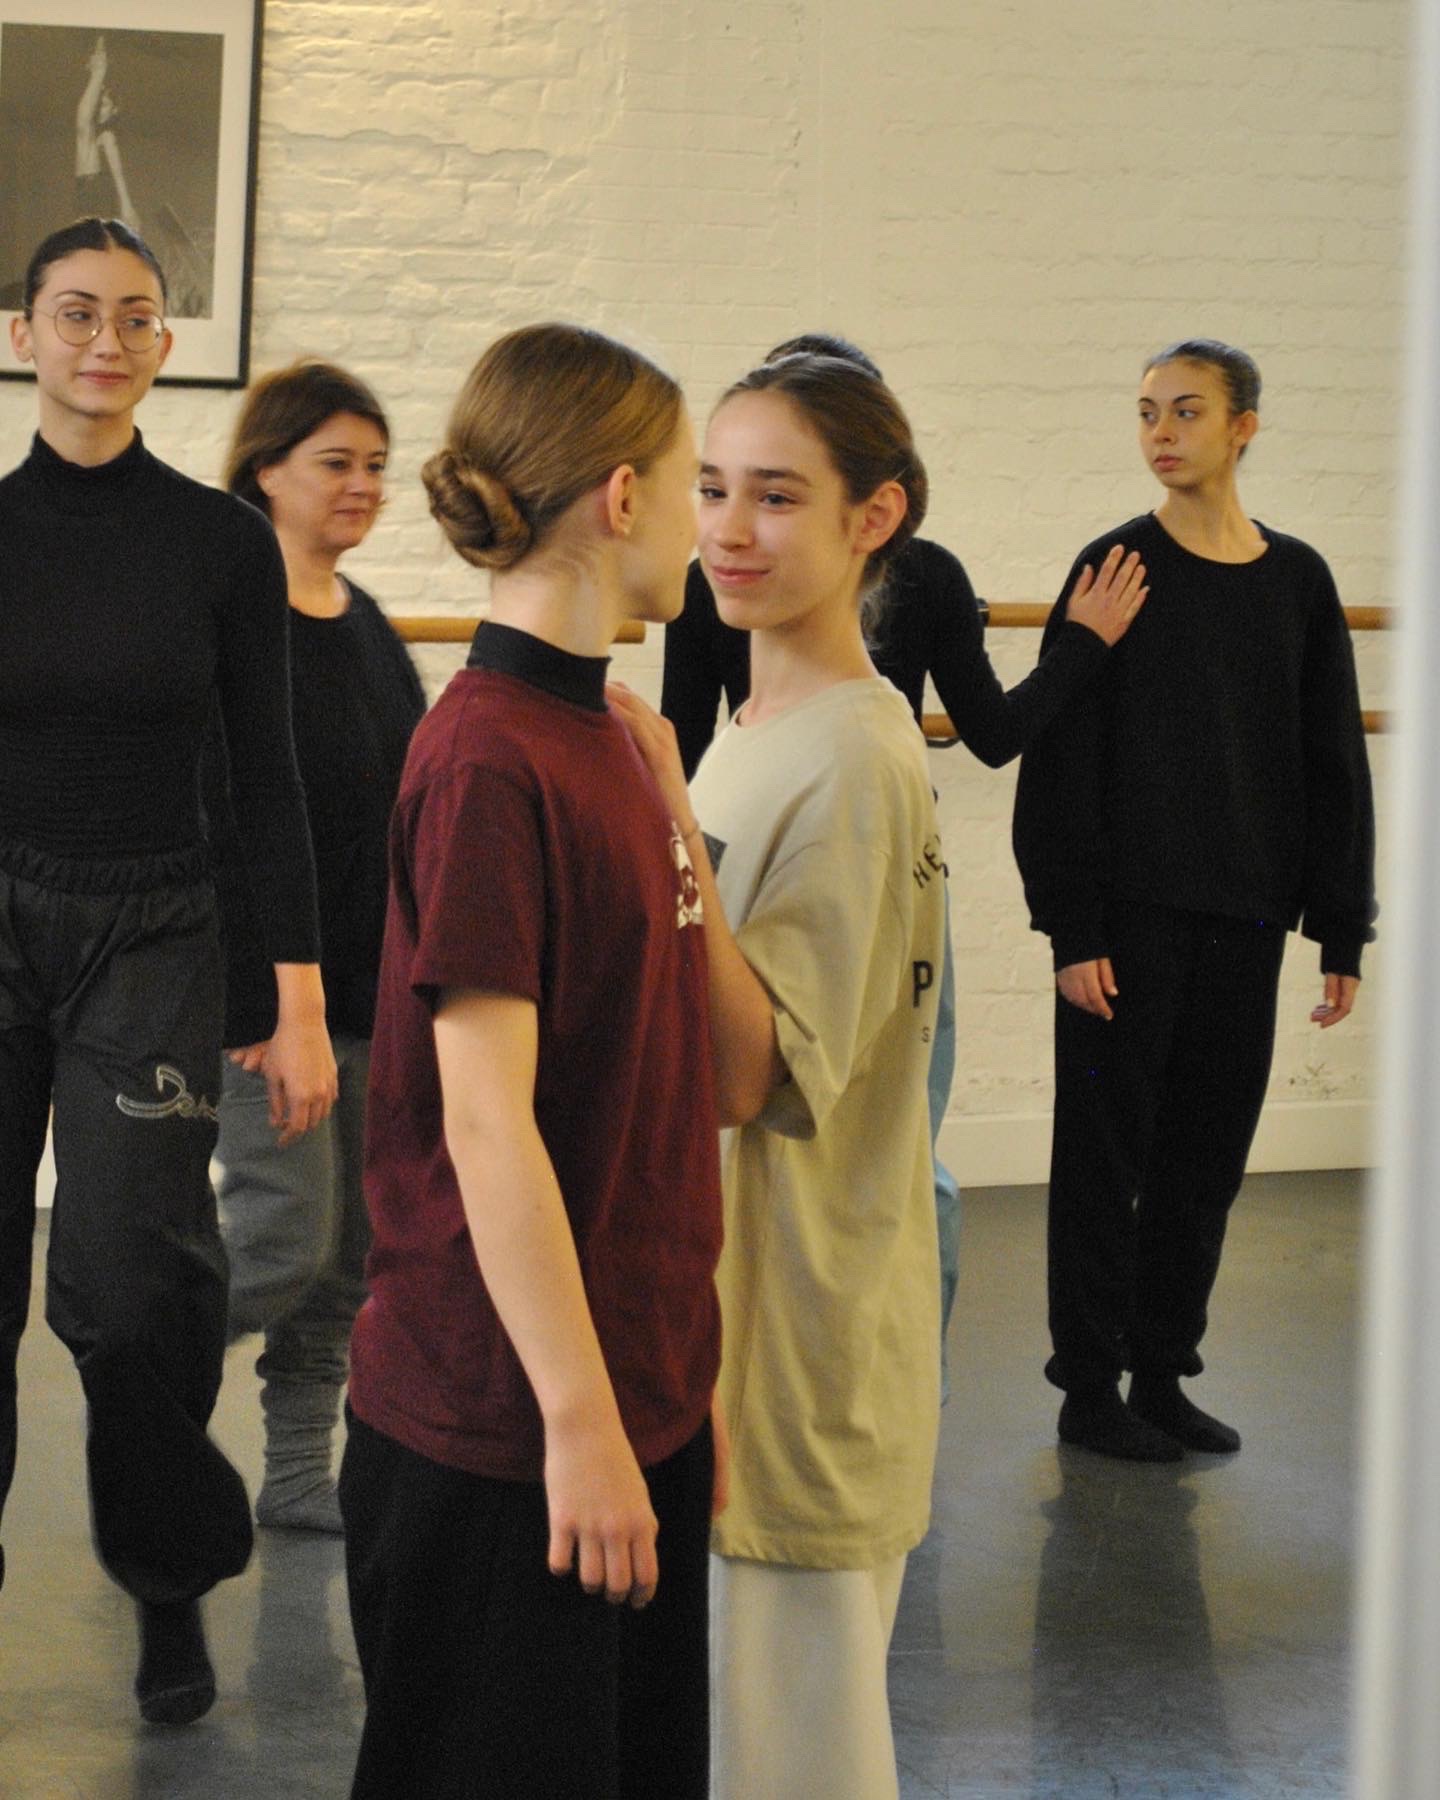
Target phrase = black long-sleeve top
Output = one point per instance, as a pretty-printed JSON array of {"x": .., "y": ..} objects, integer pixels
[
  {"x": 1217, "y": 764},
  {"x": 355, "y": 700},
  {"x": 930, "y": 625},
  {"x": 131, "y": 598}
]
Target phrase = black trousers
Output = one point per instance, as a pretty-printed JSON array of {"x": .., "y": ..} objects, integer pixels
[
  {"x": 110, "y": 1008},
  {"x": 485, "y": 1675},
  {"x": 1155, "y": 1111}
]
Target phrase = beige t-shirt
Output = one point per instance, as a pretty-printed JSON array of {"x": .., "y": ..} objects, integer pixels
[{"x": 821, "y": 823}]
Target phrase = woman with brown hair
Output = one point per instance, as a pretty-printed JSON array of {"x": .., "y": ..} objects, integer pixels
[
  {"x": 309, "y": 449},
  {"x": 529, "y": 1475}
]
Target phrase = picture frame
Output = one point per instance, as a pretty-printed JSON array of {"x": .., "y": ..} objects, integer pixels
[{"x": 134, "y": 111}]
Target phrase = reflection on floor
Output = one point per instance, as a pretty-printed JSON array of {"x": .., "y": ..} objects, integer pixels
[
  {"x": 1079, "y": 1629},
  {"x": 1072, "y": 1629}
]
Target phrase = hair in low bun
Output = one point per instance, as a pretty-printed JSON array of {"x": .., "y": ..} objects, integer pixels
[
  {"x": 547, "y": 413},
  {"x": 476, "y": 512}
]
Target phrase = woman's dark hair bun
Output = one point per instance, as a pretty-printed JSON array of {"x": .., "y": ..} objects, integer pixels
[{"x": 475, "y": 511}]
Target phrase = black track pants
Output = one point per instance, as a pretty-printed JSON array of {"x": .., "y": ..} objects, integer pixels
[
  {"x": 110, "y": 1007},
  {"x": 1155, "y": 1111}
]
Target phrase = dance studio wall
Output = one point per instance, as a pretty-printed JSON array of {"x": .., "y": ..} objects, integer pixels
[{"x": 1006, "y": 203}]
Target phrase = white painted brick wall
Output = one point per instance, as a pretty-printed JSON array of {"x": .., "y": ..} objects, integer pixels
[{"x": 1007, "y": 204}]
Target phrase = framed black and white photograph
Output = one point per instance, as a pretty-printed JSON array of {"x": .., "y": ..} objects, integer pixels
[{"x": 146, "y": 111}]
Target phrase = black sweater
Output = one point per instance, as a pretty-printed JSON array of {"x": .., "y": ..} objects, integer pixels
[
  {"x": 930, "y": 625},
  {"x": 1217, "y": 764},
  {"x": 356, "y": 699},
  {"x": 131, "y": 600}
]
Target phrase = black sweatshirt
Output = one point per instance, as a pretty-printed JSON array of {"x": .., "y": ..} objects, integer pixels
[
  {"x": 131, "y": 598},
  {"x": 355, "y": 700},
  {"x": 1217, "y": 764},
  {"x": 930, "y": 625}
]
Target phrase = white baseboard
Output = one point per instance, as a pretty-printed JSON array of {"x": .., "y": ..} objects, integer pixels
[{"x": 1013, "y": 1149}]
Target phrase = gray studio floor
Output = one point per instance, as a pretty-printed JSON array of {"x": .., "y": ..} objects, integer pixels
[{"x": 1072, "y": 1629}]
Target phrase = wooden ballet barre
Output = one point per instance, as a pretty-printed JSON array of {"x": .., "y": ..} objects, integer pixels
[
  {"x": 1003, "y": 615},
  {"x": 459, "y": 628},
  {"x": 940, "y": 729},
  {"x": 1030, "y": 615}
]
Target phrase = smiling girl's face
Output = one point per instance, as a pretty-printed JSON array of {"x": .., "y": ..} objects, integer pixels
[
  {"x": 1189, "y": 437},
  {"x": 778, "y": 536}
]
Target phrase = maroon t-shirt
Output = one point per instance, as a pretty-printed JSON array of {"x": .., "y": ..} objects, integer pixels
[{"x": 531, "y": 854}]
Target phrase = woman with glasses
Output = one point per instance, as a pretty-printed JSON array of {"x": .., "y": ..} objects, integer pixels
[
  {"x": 309, "y": 450},
  {"x": 132, "y": 600}
]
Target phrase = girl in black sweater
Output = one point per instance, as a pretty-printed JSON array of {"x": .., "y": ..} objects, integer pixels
[
  {"x": 1206, "y": 793},
  {"x": 131, "y": 599}
]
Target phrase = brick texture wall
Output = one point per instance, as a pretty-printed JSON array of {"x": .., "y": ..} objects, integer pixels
[{"x": 1006, "y": 204}]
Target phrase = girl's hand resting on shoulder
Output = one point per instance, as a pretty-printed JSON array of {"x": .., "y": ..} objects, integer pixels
[
  {"x": 1108, "y": 602},
  {"x": 654, "y": 738}
]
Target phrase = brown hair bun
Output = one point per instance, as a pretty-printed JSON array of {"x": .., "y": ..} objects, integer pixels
[
  {"x": 475, "y": 511},
  {"x": 546, "y": 413}
]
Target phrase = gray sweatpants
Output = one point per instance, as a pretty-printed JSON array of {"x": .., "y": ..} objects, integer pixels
[{"x": 294, "y": 1223}]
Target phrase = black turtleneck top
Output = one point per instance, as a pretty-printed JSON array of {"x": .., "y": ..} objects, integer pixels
[{"x": 131, "y": 598}]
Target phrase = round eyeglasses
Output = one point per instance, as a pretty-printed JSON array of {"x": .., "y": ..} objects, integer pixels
[{"x": 77, "y": 323}]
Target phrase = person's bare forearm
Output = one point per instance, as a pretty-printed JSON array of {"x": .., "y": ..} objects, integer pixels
[{"x": 601, "y": 1520}]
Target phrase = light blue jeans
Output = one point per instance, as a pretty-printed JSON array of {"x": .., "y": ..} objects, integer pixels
[{"x": 947, "y": 1190}]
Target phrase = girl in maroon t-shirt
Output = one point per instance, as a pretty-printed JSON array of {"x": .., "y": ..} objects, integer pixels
[{"x": 531, "y": 1378}]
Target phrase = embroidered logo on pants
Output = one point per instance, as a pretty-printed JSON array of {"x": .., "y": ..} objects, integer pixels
[{"x": 182, "y": 1104}]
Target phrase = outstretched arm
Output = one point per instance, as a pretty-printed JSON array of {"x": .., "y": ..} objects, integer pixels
[
  {"x": 601, "y": 1519},
  {"x": 122, "y": 194},
  {"x": 996, "y": 725},
  {"x": 90, "y": 99}
]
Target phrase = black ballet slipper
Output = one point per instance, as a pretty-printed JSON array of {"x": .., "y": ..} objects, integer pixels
[
  {"x": 1101, "y": 1421},
  {"x": 175, "y": 1684},
  {"x": 1159, "y": 1401}
]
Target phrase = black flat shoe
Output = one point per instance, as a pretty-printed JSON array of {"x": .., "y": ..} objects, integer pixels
[
  {"x": 1103, "y": 1423},
  {"x": 1162, "y": 1404},
  {"x": 175, "y": 1684}
]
